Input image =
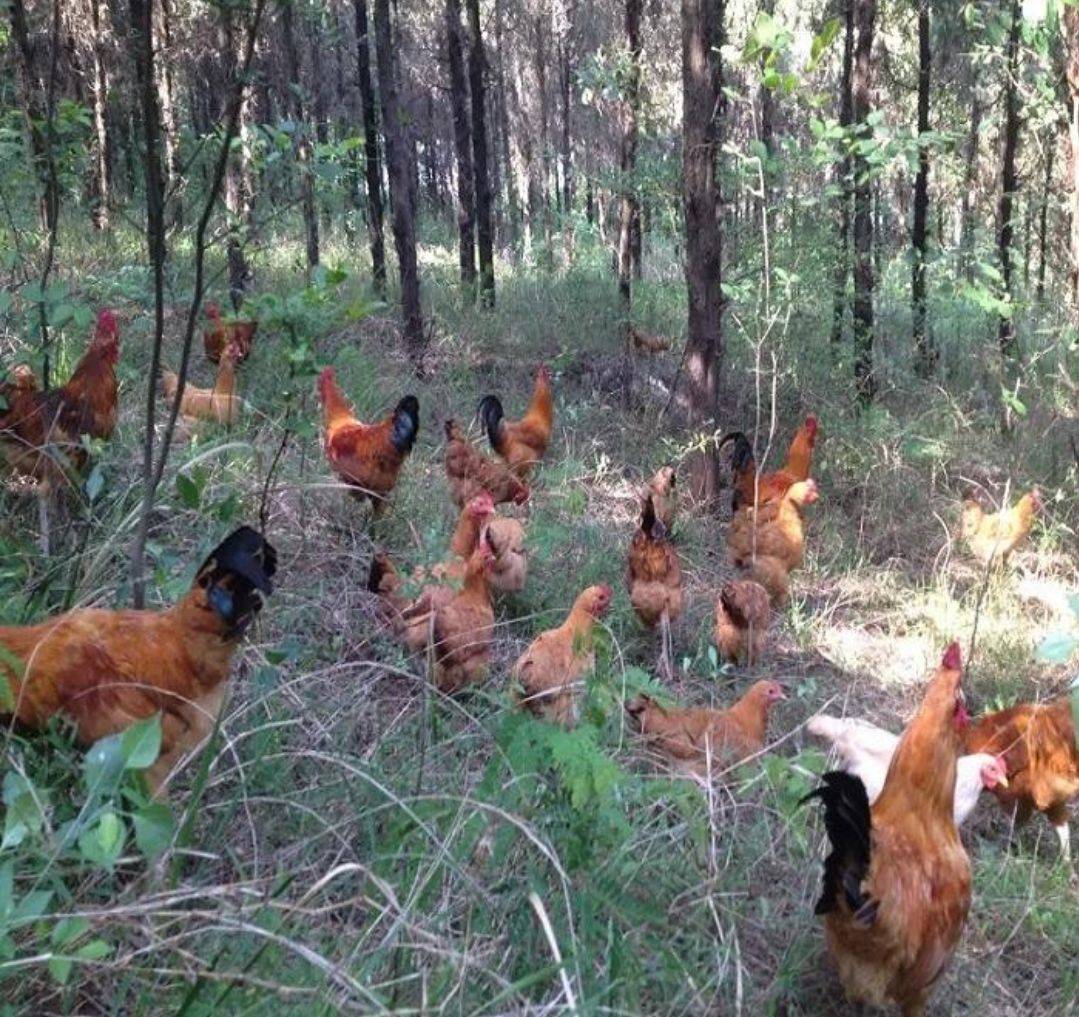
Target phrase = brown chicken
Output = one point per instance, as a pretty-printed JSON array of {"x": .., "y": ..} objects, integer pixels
[
  {"x": 775, "y": 530},
  {"x": 701, "y": 741},
  {"x": 469, "y": 472},
  {"x": 664, "y": 495},
  {"x": 743, "y": 615},
  {"x": 20, "y": 380},
  {"x": 521, "y": 443},
  {"x": 897, "y": 883},
  {"x": 550, "y": 669},
  {"x": 463, "y": 628},
  {"x": 654, "y": 579},
  {"x": 648, "y": 342},
  {"x": 993, "y": 536},
  {"x": 221, "y": 333},
  {"x": 475, "y": 516},
  {"x": 106, "y": 669},
  {"x": 509, "y": 569},
  {"x": 769, "y": 486},
  {"x": 366, "y": 457},
  {"x": 1041, "y": 756},
  {"x": 220, "y": 403}
]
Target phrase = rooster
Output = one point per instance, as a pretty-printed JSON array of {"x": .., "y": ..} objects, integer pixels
[
  {"x": 220, "y": 403},
  {"x": 866, "y": 751},
  {"x": 221, "y": 333},
  {"x": 743, "y": 615},
  {"x": 469, "y": 472},
  {"x": 557, "y": 660},
  {"x": 521, "y": 443},
  {"x": 897, "y": 883},
  {"x": 106, "y": 669},
  {"x": 753, "y": 489},
  {"x": 366, "y": 457},
  {"x": 994, "y": 536},
  {"x": 1039, "y": 747}
]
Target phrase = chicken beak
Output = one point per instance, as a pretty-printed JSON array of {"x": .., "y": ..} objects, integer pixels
[{"x": 1002, "y": 781}]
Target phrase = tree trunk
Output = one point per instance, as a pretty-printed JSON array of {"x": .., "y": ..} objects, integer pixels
[
  {"x": 303, "y": 136},
  {"x": 843, "y": 181},
  {"x": 1009, "y": 181},
  {"x": 163, "y": 60},
  {"x": 1071, "y": 35},
  {"x": 924, "y": 353},
  {"x": 565, "y": 82},
  {"x": 702, "y": 35},
  {"x": 967, "y": 195},
  {"x": 630, "y": 207},
  {"x": 1043, "y": 212},
  {"x": 512, "y": 199},
  {"x": 540, "y": 64},
  {"x": 238, "y": 187},
  {"x": 484, "y": 230},
  {"x": 372, "y": 167},
  {"x": 100, "y": 164},
  {"x": 397, "y": 152},
  {"x": 865, "y": 13},
  {"x": 462, "y": 139}
]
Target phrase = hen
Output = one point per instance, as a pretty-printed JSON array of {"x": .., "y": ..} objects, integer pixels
[
  {"x": 366, "y": 457},
  {"x": 654, "y": 579},
  {"x": 521, "y": 443},
  {"x": 866, "y": 751},
  {"x": 509, "y": 569},
  {"x": 1040, "y": 753},
  {"x": 743, "y": 615},
  {"x": 469, "y": 472},
  {"x": 648, "y": 342},
  {"x": 106, "y": 669},
  {"x": 703, "y": 741},
  {"x": 897, "y": 883},
  {"x": 220, "y": 403},
  {"x": 664, "y": 495},
  {"x": 463, "y": 628},
  {"x": 221, "y": 333},
  {"x": 769, "y": 486},
  {"x": 558, "y": 659},
  {"x": 996, "y": 535}
]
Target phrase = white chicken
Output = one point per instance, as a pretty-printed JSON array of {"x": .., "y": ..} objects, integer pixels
[{"x": 865, "y": 751}]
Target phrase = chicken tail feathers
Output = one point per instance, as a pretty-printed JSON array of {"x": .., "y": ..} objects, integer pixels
[
  {"x": 490, "y": 412},
  {"x": 236, "y": 575},
  {"x": 406, "y": 424},
  {"x": 847, "y": 821}
]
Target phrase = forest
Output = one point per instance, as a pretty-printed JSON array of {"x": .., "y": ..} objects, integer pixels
[{"x": 539, "y": 506}]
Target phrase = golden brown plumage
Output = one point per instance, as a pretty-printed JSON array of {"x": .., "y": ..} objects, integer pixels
[
  {"x": 775, "y": 530},
  {"x": 220, "y": 403},
  {"x": 664, "y": 495},
  {"x": 469, "y": 472},
  {"x": 509, "y": 569},
  {"x": 770, "y": 486},
  {"x": 743, "y": 615},
  {"x": 648, "y": 342},
  {"x": 654, "y": 575},
  {"x": 702, "y": 740},
  {"x": 521, "y": 443},
  {"x": 463, "y": 628},
  {"x": 221, "y": 333},
  {"x": 993, "y": 536},
  {"x": 558, "y": 659},
  {"x": 1041, "y": 756},
  {"x": 106, "y": 669},
  {"x": 897, "y": 884},
  {"x": 367, "y": 457}
]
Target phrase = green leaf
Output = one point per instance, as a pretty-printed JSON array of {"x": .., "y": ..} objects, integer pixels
[
  {"x": 188, "y": 491},
  {"x": 94, "y": 483},
  {"x": 141, "y": 743},
  {"x": 9, "y": 662},
  {"x": 67, "y": 930},
  {"x": 822, "y": 41},
  {"x": 60, "y": 969},
  {"x": 103, "y": 842},
  {"x": 94, "y": 950},
  {"x": 22, "y": 815},
  {"x": 1057, "y": 648},
  {"x": 32, "y": 906},
  {"x": 154, "y": 828},
  {"x": 103, "y": 765}
]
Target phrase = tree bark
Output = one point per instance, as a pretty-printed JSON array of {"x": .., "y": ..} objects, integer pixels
[
  {"x": 397, "y": 151},
  {"x": 702, "y": 35},
  {"x": 372, "y": 167},
  {"x": 966, "y": 199},
  {"x": 163, "y": 59},
  {"x": 462, "y": 139},
  {"x": 843, "y": 181},
  {"x": 484, "y": 228},
  {"x": 1043, "y": 211},
  {"x": 1009, "y": 181},
  {"x": 100, "y": 170},
  {"x": 865, "y": 13},
  {"x": 630, "y": 207},
  {"x": 924, "y": 353},
  {"x": 238, "y": 196},
  {"x": 1071, "y": 35},
  {"x": 512, "y": 198}
]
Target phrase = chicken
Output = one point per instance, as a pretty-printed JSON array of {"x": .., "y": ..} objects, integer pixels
[
  {"x": 463, "y": 628},
  {"x": 866, "y": 751},
  {"x": 664, "y": 495},
  {"x": 366, "y": 457},
  {"x": 469, "y": 472},
  {"x": 1038, "y": 743},
  {"x": 897, "y": 882},
  {"x": 702, "y": 741},
  {"x": 474, "y": 518},
  {"x": 220, "y": 403},
  {"x": 558, "y": 659},
  {"x": 775, "y": 530},
  {"x": 994, "y": 536},
  {"x": 521, "y": 443},
  {"x": 106, "y": 669},
  {"x": 654, "y": 578},
  {"x": 221, "y": 333},
  {"x": 769, "y": 486},
  {"x": 743, "y": 615},
  {"x": 20, "y": 380},
  {"x": 647, "y": 342},
  {"x": 773, "y": 575},
  {"x": 509, "y": 570}
]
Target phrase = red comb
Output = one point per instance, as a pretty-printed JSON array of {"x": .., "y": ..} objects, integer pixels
[
  {"x": 811, "y": 425},
  {"x": 106, "y": 323},
  {"x": 953, "y": 659}
]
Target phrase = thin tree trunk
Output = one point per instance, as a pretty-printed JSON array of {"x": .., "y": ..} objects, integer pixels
[
  {"x": 924, "y": 354},
  {"x": 303, "y": 137},
  {"x": 238, "y": 195},
  {"x": 843, "y": 181},
  {"x": 545, "y": 133},
  {"x": 372, "y": 163},
  {"x": 1009, "y": 181},
  {"x": 512, "y": 197},
  {"x": 1071, "y": 35},
  {"x": 865, "y": 13},
  {"x": 163, "y": 58},
  {"x": 462, "y": 138},
  {"x": 484, "y": 230},
  {"x": 397, "y": 153},
  {"x": 702, "y": 35},
  {"x": 101, "y": 135},
  {"x": 630, "y": 207},
  {"x": 1043, "y": 211},
  {"x": 967, "y": 196}
]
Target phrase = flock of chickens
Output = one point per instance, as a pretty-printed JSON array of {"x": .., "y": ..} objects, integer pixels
[{"x": 897, "y": 883}]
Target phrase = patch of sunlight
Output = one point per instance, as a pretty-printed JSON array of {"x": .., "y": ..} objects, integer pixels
[{"x": 891, "y": 659}]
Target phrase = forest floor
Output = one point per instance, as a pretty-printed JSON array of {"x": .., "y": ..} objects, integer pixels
[{"x": 361, "y": 842}]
